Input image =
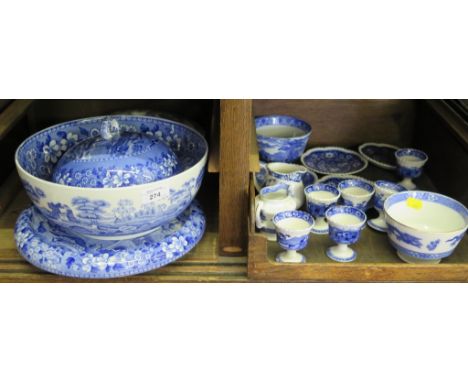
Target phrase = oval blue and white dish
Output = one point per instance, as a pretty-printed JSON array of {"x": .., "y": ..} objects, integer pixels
[
  {"x": 380, "y": 154},
  {"x": 54, "y": 249},
  {"x": 119, "y": 161},
  {"x": 424, "y": 226},
  {"x": 333, "y": 160},
  {"x": 281, "y": 138},
  {"x": 107, "y": 213}
]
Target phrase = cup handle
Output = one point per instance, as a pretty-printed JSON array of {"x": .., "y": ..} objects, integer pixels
[{"x": 258, "y": 210}]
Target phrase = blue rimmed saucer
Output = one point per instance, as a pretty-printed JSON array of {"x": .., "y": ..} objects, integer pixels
[
  {"x": 380, "y": 154},
  {"x": 57, "y": 250},
  {"x": 333, "y": 160}
]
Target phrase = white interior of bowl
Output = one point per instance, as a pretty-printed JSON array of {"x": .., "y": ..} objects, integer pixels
[
  {"x": 280, "y": 131},
  {"x": 430, "y": 217}
]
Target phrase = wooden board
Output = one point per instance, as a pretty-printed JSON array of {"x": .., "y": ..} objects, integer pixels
[
  {"x": 12, "y": 114},
  {"x": 348, "y": 122},
  {"x": 202, "y": 264}
]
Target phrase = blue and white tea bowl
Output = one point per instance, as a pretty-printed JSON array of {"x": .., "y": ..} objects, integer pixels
[
  {"x": 108, "y": 213},
  {"x": 281, "y": 138},
  {"x": 356, "y": 193},
  {"x": 115, "y": 159},
  {"x": 319, "y": 198},
  {"x": 424, "y": 226},
  {"x": 345, "y": 225},
  {"x": 410, "y": 163},
  {"x": 292, "y": 230}
]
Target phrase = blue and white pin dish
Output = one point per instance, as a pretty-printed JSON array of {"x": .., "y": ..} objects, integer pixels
[
  {"x": 54, "y": 249},
  {"x": 320, "y": 197},
  {"x": 293, "y": 175},
  {"x": 333, "y": 160},
  {"x": 115, "y": 159},
  {"x": 383, "y": 189},
  {"x": 334, "y": 180},
  {"x": 379, "y": 154},
  {"x": 424, "y": 227},
  {"x": 410, "y": 163},
  {"x": 292, "y": 229},
  {"x": 268, "y": 203},
  {"x": 106, "y": 213},
  {"x": 356, "y": 193},
  {"x": 346, "y": 224},
  {"x": 281, "y": 138}
]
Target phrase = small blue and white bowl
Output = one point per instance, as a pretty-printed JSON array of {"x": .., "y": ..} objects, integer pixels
[
  {"x": 109, "y": 213},
  {"x": 424, "y": 226},
  {"x": 410, "y": 163},
  {"x": 320, "y": 197},
  {"x": 345, "y": 224},
  {"x": 292, "y": 230},
  {"x": 383, "y": 189},
  {"x": 356, "y": 193},
  {"x": 281, "y": 138}
]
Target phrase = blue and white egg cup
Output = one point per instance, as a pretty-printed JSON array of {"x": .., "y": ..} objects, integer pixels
[
  {"x": 281, "y": 138},
  {"x": 383, "y": 189},
  {"x": 410, "y": 163},
  {"x": 345, "y": 224},
  {"x": 356, "y": 193},
  {"x": 292, "y": 229},
  {"x": 319, "y": 198}
]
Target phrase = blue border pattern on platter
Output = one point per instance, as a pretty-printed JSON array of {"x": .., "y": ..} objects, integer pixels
[
  {"x": 56, "y": 250},
  {"x": 333, "y": 160}
]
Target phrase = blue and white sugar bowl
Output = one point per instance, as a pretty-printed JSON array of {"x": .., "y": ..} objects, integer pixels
[
  {"x": 115, "y": 159},
  {"x": 281, "y": 138},
  {"x": 345, "y": 225}
]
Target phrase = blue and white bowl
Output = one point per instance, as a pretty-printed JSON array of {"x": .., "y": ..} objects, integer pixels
[
  {"x": 319, "y": 198},
  {"x": 424, "y": 226},
  {"x": 292, "y": 230},
  {"x": 281, "y": 138},
  {"x": 356, "y": 193},
  {"x": 345, "y": 225},
  {"x": 115, "y": 159},
  {"x": 107, "y": 213}
]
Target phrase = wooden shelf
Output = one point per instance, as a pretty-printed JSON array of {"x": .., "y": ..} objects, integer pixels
[
  {"x": 202, "y": 264},
  {"x": 12, "y": 113}
]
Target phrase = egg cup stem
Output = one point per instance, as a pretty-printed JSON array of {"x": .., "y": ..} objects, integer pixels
[
  {"x": 290, "y": 256},
  {"x": 408, "y": 184}
]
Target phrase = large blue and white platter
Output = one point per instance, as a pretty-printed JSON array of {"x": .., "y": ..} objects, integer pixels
[
  {"x": 333, "y": 160},
  {"x": 54, "y": 249}
]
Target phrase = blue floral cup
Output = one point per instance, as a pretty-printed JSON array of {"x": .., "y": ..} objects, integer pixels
[
  {"x": 345, "y": 224},
  {"x": 356, "y": 193},
  {"x": 410, "y": 163},
  {"x": 292, "y": 230},
  {"x": 320, "y": 197}
]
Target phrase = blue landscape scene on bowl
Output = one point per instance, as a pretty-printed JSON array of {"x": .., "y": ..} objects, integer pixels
[
  {"x": 281, "y": 149},
  {"x": 315, "y": 208},
  {"x": 54, "y": 249}
]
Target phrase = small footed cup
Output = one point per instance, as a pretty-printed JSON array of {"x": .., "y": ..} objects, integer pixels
[
  {"x": 320, "y": 197},
  {"x": 356, "y": 193},
  {"x": 345, "y": 224},
  {"x": 292, "y": 229},
  {"x": 383, "y": 189},
  {"x": 410, "y": 163}
]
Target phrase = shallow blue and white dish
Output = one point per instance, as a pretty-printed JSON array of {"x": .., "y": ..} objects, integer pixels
[
  {"x": 424, "y": 226},
  {"x": 115, "y": 159},
  {"x": 108, "y": 213},
  {"x": 333, "y": 160},
  {"x": 334, "y": 180},
  {"x": 54, "y": 249},
  {"x": 380, "y": 154},
  {"x": 281, "y": 138}
]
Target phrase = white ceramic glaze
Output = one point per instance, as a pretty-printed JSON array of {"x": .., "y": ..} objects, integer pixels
[
  {"x": 424, "y": 226},
  {"x": 268, "y": 203},
  {"x": 293, "y": 229},
  {"x": 293, "y": 175}
]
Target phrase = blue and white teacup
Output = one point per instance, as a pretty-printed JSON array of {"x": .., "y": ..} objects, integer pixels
[
  {"x": 345, "y": 224},
  {"x": 292, "y": 230},
  {"x": 356, "y": 193},
  {"x": 410, "y": 163},
  {"x": 383, "y": 189},
  {"x": 319, "y": 198},
  {"x": 281, "y": 138}
]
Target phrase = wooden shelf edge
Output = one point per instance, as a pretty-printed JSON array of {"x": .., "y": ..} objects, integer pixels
[{"x": 12, "y": 113}]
